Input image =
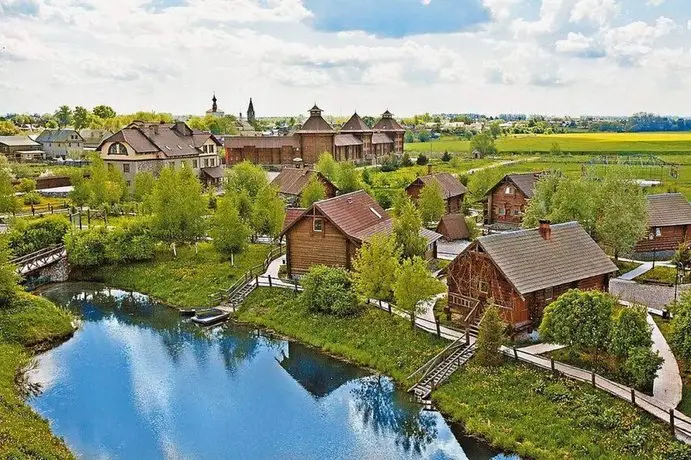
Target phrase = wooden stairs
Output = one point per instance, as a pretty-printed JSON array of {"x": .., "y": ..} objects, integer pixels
[{"x": 437, "y": 370}]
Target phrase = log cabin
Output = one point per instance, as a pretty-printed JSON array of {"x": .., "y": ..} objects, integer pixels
[
  {"x": 524, "y": 271},
  {"x": 505, "y": 203},
  {"x": 452, "y": 189},
  {"x": 669, "y": 225},
  {"x": 292, "y": 181},
  {"x": 331, "y": 231},
  {"x": 453, "y": 227}
]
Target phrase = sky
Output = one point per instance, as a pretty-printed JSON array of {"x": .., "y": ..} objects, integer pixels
[{"x": 554, "y": 57}]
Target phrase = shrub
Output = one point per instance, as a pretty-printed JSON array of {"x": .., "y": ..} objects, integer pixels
[
  {"x": 26, "y": 185},
  {"x": 384, "y": 198},
  {"x": 31, "y": 198},
  {"x": 446, "y": 157},
  {"x": 422, "y": 160},
  {"x": 390, "y": 164},
  {"x": 630, "y": 330},
  {"x": 86, "y": 248},
  {"x": 406, "y": 161},
  {"x": 490, "y": 337},
  {"x": 474, "y": 231},
  {"x": 641, "y": 366},
  {"x": 130, "y": 243},
  {"x": 328, "y": 290},
  {"x": 681, "y": 327},
  {"x": 26, "y": 237}
]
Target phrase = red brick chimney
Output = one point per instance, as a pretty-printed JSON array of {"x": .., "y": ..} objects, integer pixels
[{"x": 545, "y": 230}]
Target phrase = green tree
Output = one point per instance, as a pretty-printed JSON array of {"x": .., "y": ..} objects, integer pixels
[
  {"x": 269, "y": 212},
  {"x": 8, "y": 276},
  {"x": 8, "y": 200},
  {"x": 681, "y": 327},
  {"x": 682, "y": 256},
  {"x": 314, "y": 191},
  {"x": 229, "y": 232},
  {"x": 630, "y": 330},
  {"x": 329, "y": 291},
  {"x": 104, "y": 111},
  {"x": 26, "y": 185},
  {"x": 406, "y": 161},
  {"x": 483, "y": 143},
  {"x": 581, "y": 320},
  {"x": 7, "y": 128},
  {"x": 431, "y": 202},
  {"x": 81, "y": 192},
  {"x": 81, "y": 118},
  {"x": 347, "y": 178},
  {"x": 422, "y": 160},
  {"x": 327, "y": 166},
  {"x": 406, "y": 229},
  {"x": 246, "y": 177},
  {"x": 414, "y": 283},
  {"x": 366, "y": 176},
  {"x": 474, "y": 231},
  {"x": 144, "y": 183},
  {"x": 495, "y": 129},
  {"x": 63, "y": 116},
  {"x": 446, "y": 157},
  {"x": 490, "y": 337},
  {"x": 374, "y": 268},
  {"x": 642, "y": 366}
]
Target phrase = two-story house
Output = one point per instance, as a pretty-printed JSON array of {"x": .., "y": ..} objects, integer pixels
[{"x": 61, "y": 143}]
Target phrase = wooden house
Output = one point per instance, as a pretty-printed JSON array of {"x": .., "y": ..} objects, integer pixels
[
  {"x": 524, "y": 271},
  {"x": 292, "y": 181},
  {"x": 330, "y": 232},
  {"x": 505, "y": 203},
  {"x": 669, "y": 225},
  {"x": 453, "y": 227},
  {"x": 452, "y": 189}
]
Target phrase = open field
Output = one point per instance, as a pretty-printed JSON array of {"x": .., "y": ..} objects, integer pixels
[{"x": 576, "y": 143}]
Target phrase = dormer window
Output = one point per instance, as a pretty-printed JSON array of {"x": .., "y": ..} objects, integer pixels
[
  {"x": 318, "y": 225},
  {"x": 117, "y": 149}
]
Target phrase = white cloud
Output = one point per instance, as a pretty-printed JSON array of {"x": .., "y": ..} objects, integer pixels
[
  {"x": 599, "y": 12},
  {"x": 576, "y": 44},
  {"x": 631, "y": 42},
  {"x": 655, "y": 2}
]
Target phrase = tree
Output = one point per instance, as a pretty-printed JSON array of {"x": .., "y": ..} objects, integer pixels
[
  {"x": 104, "y": 111},
  {"x": 269, "y": 212},
  {"x": 681, "y": 327},
  {"x": 446, "y": 157},
  {"x": 8, "y": 200},
  {"x": 63, "y": 116},
  {"x": 473, "y": 230},
  {"x": 327, "y": 166},
  {"x": 431, "y": 202},
  {"x": 424, "y": 136},
  {"x": 495, "y": 129},
  {"x": 422, "y": 160},
  {"x": 630, "y": 330},
  {"x": 414, "y": 283},
  {"x": 366, "y": 176},
  {"x": 314, "y": 191},
  {"x": 248, "y": 177},
  {"x": 229, "y": 232},
  {"x": 7, "y": 128},
  {"x": 374, "y": 268},
  {"x": 26, "y": 185},
  {"x": 483, "y": 143},
  {"x": 682, "y": 256},
  {"x": 81, "y": 118},
  {"x": 81, "y": 192},
  {"x": 581, "y": 320},
  {"x": 406, "y": 161},
  {"x": 328, "y": 290},
  {"x": 347, "y": 178},
  {"x": 642, "y": 366},
  {"x": 406, "y": 230},
  {"x": 144, "y": 183},
  {"x": 106, "y": 186},
  {"x": 8, "y": 276},
  {"x": 490, "y": 337}
]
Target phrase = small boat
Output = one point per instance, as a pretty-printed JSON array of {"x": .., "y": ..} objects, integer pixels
[
  {"x": 210, "y": 317},
  {"x": 188, "y": 313}
]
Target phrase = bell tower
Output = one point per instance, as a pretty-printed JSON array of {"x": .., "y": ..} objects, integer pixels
[{"x": 250, "y": 112}]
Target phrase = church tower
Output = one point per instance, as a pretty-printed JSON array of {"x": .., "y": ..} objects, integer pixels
[
  {"x": 250, "y": 112},
  {"x": 214, "y": 104}
]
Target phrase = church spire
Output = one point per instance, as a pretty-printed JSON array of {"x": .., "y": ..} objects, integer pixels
[
  {"x": 250, "y": 112},
  {"x": 214, "y": 105}
]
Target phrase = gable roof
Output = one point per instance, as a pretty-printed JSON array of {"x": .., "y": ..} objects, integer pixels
[
  {"x": 453, "y": 227},
  {"x": 94, "y": 136},
  {"x": 171, "y": 139},
  {"x": 668, "y": 209},
  {"x": 292, "y": 215},
  {"x": 58, "y": 135},
  {"x": 531, "y": 263},
  {"x": 381, "y": 138},
  {"x": 18, "y": 141},
  {"x": 292, "y": 181},
  {"x": 341, "y": 140},
  {"x": 450, "y": 185},
  {"x": 525, "y": 182},
  {"x": 356, "y": 124},
  {"x": 386, "y": 228}
]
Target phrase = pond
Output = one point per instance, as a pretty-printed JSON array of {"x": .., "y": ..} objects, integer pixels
[{"x": 139, "y": 381}]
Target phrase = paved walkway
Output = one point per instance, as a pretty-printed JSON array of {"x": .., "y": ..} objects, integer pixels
[
  {"x": 542, "y": 348},
  {"x": 667, "y": 386},
  {"x": 635, "y": 273},
  {"x": 654, "y": 296},
  {"x": 501, "y": 163}
]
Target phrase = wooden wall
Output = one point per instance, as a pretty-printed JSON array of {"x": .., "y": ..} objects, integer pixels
[
  {"x": 313, "y": 145},
  {"x": 669, "y": 240},
  {"x": 307, "y": 247},
  {"x": 515, "y": 201}
]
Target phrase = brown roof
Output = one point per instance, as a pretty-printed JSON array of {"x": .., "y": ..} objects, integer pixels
[
  {"x": 525, "y": 182},
  {"x": 381, "y": 138},
  {"x": 292, "y": 215},
  {"x": 355, "y": 124},
  {"x": 386, "y": 228},
  {"x": 450, "y": 185},
  {"x": 266, "y": 142},
  {"x": 292, "y": 181},
  {"x": 315, "y": 122},
  {"x": 172, "y": 139},
  {"x": 453, "y": 227},
  {"x": 668, "y": 209},
  {"x": 342, "y": 140},
  {"x": 388, "y": 123},
  {"x": 531, "y": 263}
]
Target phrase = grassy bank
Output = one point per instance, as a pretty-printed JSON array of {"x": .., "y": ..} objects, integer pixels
[
  {"x": 661, "y": 274},
  {"x": 684, "y": 367},
  {"x": 374, "y": 339},
  {"x": 538, "y": 415},
  {"x": 31, "y": 323},
  {"x": 187, "y": 280}
]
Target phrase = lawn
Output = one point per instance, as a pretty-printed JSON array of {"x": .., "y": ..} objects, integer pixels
[
  {"x": 625, "y": 267},
  {"x": 576, "y": 143},
  {"x": 188, "y": 280},
  {"x": 661, "y": 274},
  {"x": 539, "y": 415},
  {"x": 30, "y": 323},
  {"x": 373, "y": 339},
  {"x": 684, "y": 406}
]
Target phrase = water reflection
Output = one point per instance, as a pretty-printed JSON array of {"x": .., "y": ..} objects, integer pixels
[{"x": 138, "y": 382}]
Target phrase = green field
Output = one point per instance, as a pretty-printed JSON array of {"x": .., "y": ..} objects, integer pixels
[{"x": 576, "y": 143}]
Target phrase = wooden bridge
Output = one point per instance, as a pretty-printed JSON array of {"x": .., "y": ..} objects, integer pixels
[{"x": 40, "y": 259}]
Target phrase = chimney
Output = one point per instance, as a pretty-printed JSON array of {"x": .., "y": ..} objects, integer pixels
[
  {"x": 429, "y": 169},
  {"x": 545, "y": 230}
]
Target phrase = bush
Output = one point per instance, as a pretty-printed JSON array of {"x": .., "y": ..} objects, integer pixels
[
  {"x": 26, "y": 185},
  {"x": 86, "y": 248},
  {"x": 490, "y": 337},
  {"x": 630, "y": 330},
  {"x": 446, "y": 157},
  {"x": 384, "y": 198},
  {"x": 422, "y": 160},
  {"x": 390, "y": 164},
  {"x": 131, "y": 243},
  {"x": 31, "y": 198},
  {"x": 328, "y": 290},
  {"x": 474, "y": 231},
  {"x": 406, "y": 161},
  {"x": 641, "y": 366},
  {"x": 26, "y": 237},
  {"x": 681, "y": 327}
]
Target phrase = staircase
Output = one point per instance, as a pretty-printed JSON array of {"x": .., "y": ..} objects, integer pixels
[
  {"x": 474, "y": 327},
  {"x": 236, "y": 296},
  {"x": 441, "y": 367}
]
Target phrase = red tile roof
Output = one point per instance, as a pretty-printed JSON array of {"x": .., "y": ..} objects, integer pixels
[
  {"x": 352, "y": 212},
  {"x": 292, "y": 215}
]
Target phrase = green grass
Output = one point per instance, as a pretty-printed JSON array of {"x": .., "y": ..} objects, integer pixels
[
  {"x": 30, "y": 323},
  {"x": 684, "y": 406},
  {"x": 373, "y": 339},
  {"x": 625, "y": 267},
  {"x": 577, "y": 143},
  {"x": 538, "y": 415},
  {"x": 187, "y": 280},
  {"x": 661, "y": 274}
]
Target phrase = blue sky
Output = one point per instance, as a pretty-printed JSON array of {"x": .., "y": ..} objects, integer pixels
[{"x": 492, "y": 56}]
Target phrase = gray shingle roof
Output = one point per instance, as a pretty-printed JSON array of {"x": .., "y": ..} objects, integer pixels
[
  {"x": 342, "y": 140},
  {"x": 668, "y": 209},
  {"x": 531, "y": 263},
  {"x": 18, "y": 141},
  {"x": 450, "y": 185},
  {"x": 173, "y": 140},
  {"x": 58, "y": 135}
]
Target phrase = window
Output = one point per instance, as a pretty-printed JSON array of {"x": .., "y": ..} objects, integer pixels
[
  {"x": 517, "y": 212},
  {"x": 318, "y": 225},
  {"x": 117, "y": 149},
  {"x": 483, "y": 286},
  {"x": 206, "y": 162},
  {"x": 658, "y": 232},
  {"x": 126, "y": 168},
  {"x": 508, "y": 190},
  {"x": 502, "y": 211},
  {"x": 195, "y": 164}
]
